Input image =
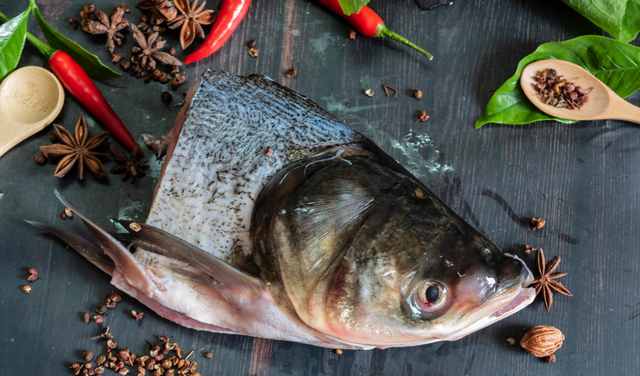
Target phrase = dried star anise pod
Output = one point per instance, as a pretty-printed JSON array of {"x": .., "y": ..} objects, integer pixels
[
  {"x": 147, "y": 50},
  {"x": 546, "y": 282},
  {"x": 191, "y": 20},
  {"x": 159, "y": 10},
  {"x": 107, "y": 25},
  {"x": 127, "y": 165},
  {"x": 77, "y": 150}
]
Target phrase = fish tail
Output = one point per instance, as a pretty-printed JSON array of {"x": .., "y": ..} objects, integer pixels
[
  {"x": 87, "y": 249},
  {"x": 134, "y": 273}
]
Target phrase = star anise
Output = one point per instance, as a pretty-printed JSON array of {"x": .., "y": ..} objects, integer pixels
[
  {"x": 147, "y": 50},
  {"x": 547, "y": 282},
  {"x": 159, "y": 10},
  {"x": 77, "y": 150},
  {"x": 191, "y": 20},
  {"x": 127, "y": 165},
  {"x": 107, "y": 25}
]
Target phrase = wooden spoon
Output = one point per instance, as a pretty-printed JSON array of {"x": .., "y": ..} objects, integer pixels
[
  {"x": 30, "y": 98},
  {"x": 603, "y": 102}
]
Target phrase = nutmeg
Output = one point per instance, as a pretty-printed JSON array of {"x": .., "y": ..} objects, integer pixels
[{"x": 542, "y": 340}]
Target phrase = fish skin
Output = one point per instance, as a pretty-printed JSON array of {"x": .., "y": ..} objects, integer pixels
[{"x": 220, "y": 192}]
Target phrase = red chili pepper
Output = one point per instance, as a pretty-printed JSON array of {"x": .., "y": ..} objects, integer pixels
[
  {"x": 370, "y": 24},
  {"x": 81, "y": 87},
  {"x": 231, "y": 14}
]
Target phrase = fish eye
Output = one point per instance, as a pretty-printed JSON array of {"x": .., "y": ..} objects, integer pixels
[{"x": 431, "y": 295}]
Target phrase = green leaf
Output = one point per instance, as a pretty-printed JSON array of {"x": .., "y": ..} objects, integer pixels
[
  {"x": 352, "y": 6},
  {"x": 620, "y": 18},
  {"x": 88, "y": 61},
  {"x": 615, "y": 63},
  {"x": 12, "y": 39}
]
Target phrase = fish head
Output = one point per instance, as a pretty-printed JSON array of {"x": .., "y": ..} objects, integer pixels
[{"x": 367, "y": 255}]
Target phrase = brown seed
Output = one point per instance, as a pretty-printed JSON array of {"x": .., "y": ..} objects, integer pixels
[
  {"x": 33, "y": 275},
  {"x": 542, "y": 341},
  {"x": 87, "y": 355},
  {"x": 537, "y": 223},
  {"x": 551, "y": 359},
  {"x": 41, "y": 160},
  {"x": 369, "y": 93},
  {"x": 254, "y": 52},
  {"x": 115, "y": 58},
  {"x": 166, "y": 97},
  {"x": 164, "y": 78},
  {"x": 251, "y": 43},
  {"x": 135, "y": 226},
  {"x": 352, "y": 34},
  {"x": 417, "y": 94},
  {"x": 292, "y": 72},
  {"x": 68, "y": 212},
  {"x": 101, "y": 360},
  {"x": 26, "y": 289},
  {"x": 102, "y": 309},
  {"x": 86, "y": 317},
  {"x": 422, "y": 117},
  {"x": 63, "y": 216},
  {"x": 511, "y": 341},
  {"x": 208, "y": 355},
  {"x": 338, "y": 351},
  {"x": 74, "y": 23},
  {"x": 172, "y": 51},
  {"x": 125, "y": 65},
  {"x": 53, "y": 138},
  {"x": 98, "y": 318},
  {"x": 99, "y": 370},
  {"x": 166, "y": 364},
  {"x": 137, "y": 315},
  {"x": 528, "y": 249}
]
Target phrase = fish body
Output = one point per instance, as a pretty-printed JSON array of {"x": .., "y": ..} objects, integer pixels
[{"x": 273, "y": 219}]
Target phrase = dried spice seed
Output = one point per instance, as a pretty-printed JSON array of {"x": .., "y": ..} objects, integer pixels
[
  {"x": 101, "y": 360},
  {"x": 528, "y": 249},
  {"x": 417, "y": 94},
  {"x": 74, "y": 23},
  {"x": 352, "y": 34},
  {"x": 422, "y": 117},
  {"x": 338, "y": 351},
  {"x": 63, "y": 215},
  {"x": 551, "y": 359},
  {"x": 178, "y": 80},
  {"x": 172, "y": 51},
  {"x": 511, "y": 341},
  {"x": 87, "y": 355},
  {"x": 26, "y": 289},
  {"x": 98, "y": 319},
  {"x": 137, "y": 315},
  {"x": 537, "y": 223},
  {"x": 99, "y": 370},
  {"x": 267, "y": 151},
  {"x": 166, "y": 97},
  {"x": 68, "y": 212},
  {"x": 369, "y": 93},
  {"x": 33, "y": 275},
  {"x": 208, "y": 355},
  {"x": 41, "y": 160},
  {"x": 546, "y": 282},
  {"x": 125, "y": 65},
  {"x": 556, "y": 91},
  {"x": 86, "y": 317},
  {"x": 102, "y": 309},
  {"x": 115, "y": 58},
  {"x": 254, "y": 52},
  {"x": 292, "y": 72},
  {"x": 389, "y": 87},
  {"x": 251, "y": 43}
]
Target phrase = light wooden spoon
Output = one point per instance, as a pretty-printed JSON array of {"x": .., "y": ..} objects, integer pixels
[
  {"x": 30, "y": 98},
  {"x": 603, "y": 102}
]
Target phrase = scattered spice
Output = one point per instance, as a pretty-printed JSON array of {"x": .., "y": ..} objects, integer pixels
[
  {"x": 166, "y": 97},
  {"x": 338, "y": 351},
  {"x": 369, "y": 93},
  {"x": 208, "y": 355},
  {"x": 63, "y": 215},
  {"x": 551, "y": 359},
  {"x": 511, "y": 341},
  {"x": 110, "y": 26},
  {"x": 267, "y": 151},
  {"x": 26, "y": 289},
  {"x": 528, "y": 249},
  {"x": 53, "y": 138},
  {"x": 157, "y": 144},
  {"x": 137, "y": 315},
  {"x": 86, "y": 317},
  {"x": 422, "y": 117},
  {"x": 557, "y": 91},
  {"x": 148, "y": 50},
  {"x": 159, "y": 10},
  {"x": 417, "y": 94},
  {"x": 292, "y": 72},
  {"x": 352, "y": 34},
  {"x": 87, "y": 355},
  {"x": 78, "y": 150},
  {"x": 178, "y": 80},
  {"x": 127, "y": 165},
  {"x": 33, "y": 275},
  {"x": 135, "y": 226},
  {"x": 537, "y": 223},
  {"x": 74, "y": 23},
  {"x": 542, "y": 341},
  {"x": 251, "y": 43},
  {"x": 546, "y": 282},
  {"x": 68, "y": 212},
  {"x": 389, "y": 87},
  {"x": 111, "y": 299},
  {"x": 102, "y": 309},
  {"x": 115, "y": 58},
  {"x": 253, "y": 52},
  {"x": 98, "y": 319},
  {"x": 191, "y": 20},
  {"x": 41, "y": 160}
]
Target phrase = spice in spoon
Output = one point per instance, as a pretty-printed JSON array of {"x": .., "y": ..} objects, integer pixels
[{"x": 557, "y": 91}]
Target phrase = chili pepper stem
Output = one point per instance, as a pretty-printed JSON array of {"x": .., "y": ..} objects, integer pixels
[{"x": 386, "y": 33}]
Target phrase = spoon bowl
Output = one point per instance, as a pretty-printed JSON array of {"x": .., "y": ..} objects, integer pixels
[
  {"x": 30, "y": 99},
  {"x": 603, "y": 102}
]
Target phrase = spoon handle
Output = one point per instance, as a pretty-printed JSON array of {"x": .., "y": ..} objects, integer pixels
[{"x": 624, "y": 110}]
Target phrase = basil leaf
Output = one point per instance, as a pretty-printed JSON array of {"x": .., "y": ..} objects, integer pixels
[
  {"x": 620, "y": 18},
  {"x": 88, "y": 61},
  {"x": 352, "y": 6},
  {"x": 615, "y": 63},
  {"x": 12, "y": 39}
]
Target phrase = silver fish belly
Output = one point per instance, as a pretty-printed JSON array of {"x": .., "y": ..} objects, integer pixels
[{"x": 273, "y": 219}]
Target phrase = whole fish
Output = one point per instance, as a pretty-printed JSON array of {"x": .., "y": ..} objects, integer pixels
[{"x": 273, "y": 219}]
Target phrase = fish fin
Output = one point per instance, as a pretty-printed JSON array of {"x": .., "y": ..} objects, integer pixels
[
  {"x": 124, "y": 261},
  {"x": 237, "y": 287},
  {"x": 87, "y": 249}
]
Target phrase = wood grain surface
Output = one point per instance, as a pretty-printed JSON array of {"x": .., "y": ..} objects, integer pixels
[{"x": 582, "y": 178}]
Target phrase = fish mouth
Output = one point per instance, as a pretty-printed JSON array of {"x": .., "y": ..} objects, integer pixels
[{"x": 516, "y": 297}]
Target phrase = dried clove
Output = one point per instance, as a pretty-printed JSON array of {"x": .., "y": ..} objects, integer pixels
[
  {"x": 417, "y": 94},
  {"x": 422, "y": 117},
  {"x": 292, "y": 72},
  {"x": 251, "y": 43},
  {"x": 254, "y": 52}
]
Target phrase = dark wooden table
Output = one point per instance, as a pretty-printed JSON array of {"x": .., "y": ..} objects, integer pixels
[{"x": 582, "y": 178}]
